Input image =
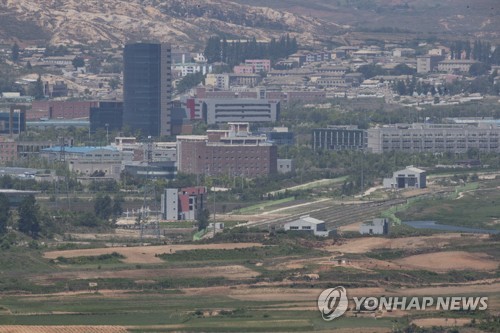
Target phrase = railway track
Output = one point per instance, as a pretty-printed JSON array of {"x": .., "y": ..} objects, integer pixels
[{"x": 336, "y": 215}]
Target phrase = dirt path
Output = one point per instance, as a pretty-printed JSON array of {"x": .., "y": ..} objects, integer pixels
[{"x": 145, "y": 254}]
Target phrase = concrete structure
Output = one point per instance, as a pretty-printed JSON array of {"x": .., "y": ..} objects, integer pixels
[
  {"x": 13, "y": 121},
  {"x": 60, "y": 109},
  {"x": 243, "y": 69},
  {"x": 248, "y": 80},
  {"x": 29, "y": 149},
  {"x": 403, "y": 52},
  {"x": 170, "y": 204},
  {"x": 284, "y": 165},
  {"x": 218, "y": 81},
  {"x": 410, "y": 177},
  {"x": 8, "y": 150},
  {"x": 308, "y": 224},
  {"x": 88, "y": 161},
  {"x": 457, "y": 138},
  {"x": 227, "y": 152},
  {"x": 151, "y": 170},
  {"x": 278, "y": 135},
  {"x": 147, "y": 82},
  {"x": 348, "y": 137},
  {"x": 259, "y": 65},
  {"x": 183, "y": 203},
  {"x": 379, "y": 226},
  {"x": 241, "y": 109},
  {"x": 428, "y": 63},
  {"x": 455, "y": 66},
  {"x": 191, "y": 68}
]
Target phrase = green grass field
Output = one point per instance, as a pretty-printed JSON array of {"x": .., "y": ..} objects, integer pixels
[{"x": 471, "y": 206}]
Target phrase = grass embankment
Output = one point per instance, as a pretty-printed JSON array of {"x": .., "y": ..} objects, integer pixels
[{"x": 473, "y": 208}]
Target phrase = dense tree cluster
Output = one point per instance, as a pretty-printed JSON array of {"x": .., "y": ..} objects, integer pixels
[
  {"x": 29, "y": 217},
  {"x": 4, "y": 213},
  {"x": 189, "y": 81},
  {"x": 236, "y": 52},
  {"x": 105, "y": 207},
  {"x": 483, "y": 84},
  {"x": 480, "y": 51}
]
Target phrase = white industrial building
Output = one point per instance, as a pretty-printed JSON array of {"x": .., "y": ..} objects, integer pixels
[
  {"x": 169, "y": 204},
  {"x": 309, "y": 224},
  {"x": 379, "y": 226},
  {"x": 410, "y": 177}
]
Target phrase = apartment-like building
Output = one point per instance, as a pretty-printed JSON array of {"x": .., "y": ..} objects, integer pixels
[
  {"x": 234, "y": 152},
  {"x": 8, "y": 149},
  {"x": 428, "y": 63},
  {"x": 183, "y": 204},
  {"x": 88, "y": 161},
  {"x": 348, "y": 137},
  {"x": 455, "y": 66},
  {"x": 457, "y": 138},
  {"x": 259, "y": 65},
  {"x": 241, "y": 109}
]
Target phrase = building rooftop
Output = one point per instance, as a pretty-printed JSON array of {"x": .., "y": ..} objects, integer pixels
[
  {"x": 412, "y": 169},
  {"x": 310, "y": 219}
]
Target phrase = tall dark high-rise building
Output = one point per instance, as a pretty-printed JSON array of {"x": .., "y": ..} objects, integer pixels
[{"x": 147, "y": 83}]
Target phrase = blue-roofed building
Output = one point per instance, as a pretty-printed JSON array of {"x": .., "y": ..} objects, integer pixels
[{"x": 89, "y": 161}]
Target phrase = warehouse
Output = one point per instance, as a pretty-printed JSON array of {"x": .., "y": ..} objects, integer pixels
[
  {"x": 410, "y": 177},
  {"x": 309, "y": 224}
]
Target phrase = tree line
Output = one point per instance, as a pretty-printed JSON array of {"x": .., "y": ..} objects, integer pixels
[
  {"x": 235, "y": 52},
  {"x": 479, "y": 50},
  {"x": 483, "y": 84}
]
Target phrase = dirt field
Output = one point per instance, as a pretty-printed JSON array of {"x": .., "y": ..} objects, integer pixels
[
  {"x": 351, "y": 227},
  {"x": 447, "y": 261},
  {"x": 62, "y": 329},
  {"x": 429, "y": 322},
  {"x": 231, "y": 272},
  {"x": 363, "y": 245},
  {"x": 144, "y": 254}
]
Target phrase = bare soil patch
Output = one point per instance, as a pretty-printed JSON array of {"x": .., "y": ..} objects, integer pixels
[
  {"x": 145, "y": 254},
  {"x": 447, "y": 261},
  {"x": 367, "y": 244}
]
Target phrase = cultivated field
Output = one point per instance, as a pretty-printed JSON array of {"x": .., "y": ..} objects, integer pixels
[
  {"x": 253, "y": 280},
  {"x": 144, "y": 254}
]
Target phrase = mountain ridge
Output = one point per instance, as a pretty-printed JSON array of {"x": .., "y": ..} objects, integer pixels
[{"x": 179, "y": 22}]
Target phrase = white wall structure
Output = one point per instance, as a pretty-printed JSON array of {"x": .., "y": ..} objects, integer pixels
[
  {"x": 308, "y": 224},
  {"x": 379, "y": 226},
  {"x": 169, "y": 204},
  {"x": 410, "y": 177}
]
